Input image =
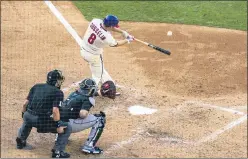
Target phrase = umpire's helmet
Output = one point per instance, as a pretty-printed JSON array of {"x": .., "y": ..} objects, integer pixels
[
  {"x": 88, "y": 87},
  {"x": 111, "y": 21},
  {"x": 54, "y": 76}
]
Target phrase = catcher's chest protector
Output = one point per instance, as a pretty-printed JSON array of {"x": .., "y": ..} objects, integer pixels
[{"x": 72, "y": 106}]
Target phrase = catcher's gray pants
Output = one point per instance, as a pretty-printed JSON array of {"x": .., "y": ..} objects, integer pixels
[
  {"x": 91, "y": 121},
  {"x": 30, "y": 121},
  {"x": 82, "y": 124},
  {"x": 99, "y": 74}
]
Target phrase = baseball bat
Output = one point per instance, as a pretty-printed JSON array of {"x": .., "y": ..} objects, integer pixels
[{"x": 167, "y": 52}]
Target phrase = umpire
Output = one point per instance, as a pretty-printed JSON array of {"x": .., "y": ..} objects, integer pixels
[{"x": 41, "y": 110}]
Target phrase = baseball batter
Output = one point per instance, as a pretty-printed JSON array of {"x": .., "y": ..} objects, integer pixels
[{"x": 96, "y": 37}]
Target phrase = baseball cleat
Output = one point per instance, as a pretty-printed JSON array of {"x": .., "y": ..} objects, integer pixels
[
  {"x": 91, "y": 150},
  {"x": 117, "y": 94},
  {"x": 60, "y": 154}
]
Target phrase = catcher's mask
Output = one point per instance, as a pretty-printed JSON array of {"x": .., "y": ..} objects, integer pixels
[
  {"x": 55, "y": 78},
  {"x": 88, "y": 87}
]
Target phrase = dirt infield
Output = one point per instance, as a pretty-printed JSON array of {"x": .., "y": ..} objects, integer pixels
[{"x": 200, "y": 91}]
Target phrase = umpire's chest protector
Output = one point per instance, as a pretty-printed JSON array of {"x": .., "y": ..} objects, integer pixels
[{"x": 71, "y": 107}]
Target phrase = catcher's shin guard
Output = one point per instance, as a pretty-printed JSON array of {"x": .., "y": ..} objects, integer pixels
[{"x": 95, "y": 134}]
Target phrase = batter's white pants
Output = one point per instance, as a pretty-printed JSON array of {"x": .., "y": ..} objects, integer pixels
[{"x": 99, "y": 74}]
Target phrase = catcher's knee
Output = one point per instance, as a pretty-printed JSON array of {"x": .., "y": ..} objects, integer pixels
[{"x": 100, "y": 121}]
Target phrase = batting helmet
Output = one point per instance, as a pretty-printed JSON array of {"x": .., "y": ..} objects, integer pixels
[
  {"x": 88, "y": 87},
  {"x": 54, "y": 76},
  {"x": 111, "y": 21}
]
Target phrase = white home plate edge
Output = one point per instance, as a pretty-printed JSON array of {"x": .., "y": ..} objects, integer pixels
[{"x": 140, "y": 110}]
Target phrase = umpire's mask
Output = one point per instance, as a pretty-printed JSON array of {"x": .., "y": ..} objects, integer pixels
[
  {"x": 88, "y": 87},
  {"x": 55, "y": 78}
]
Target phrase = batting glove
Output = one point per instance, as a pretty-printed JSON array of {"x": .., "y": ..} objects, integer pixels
[{"x": 130, "y": 38}]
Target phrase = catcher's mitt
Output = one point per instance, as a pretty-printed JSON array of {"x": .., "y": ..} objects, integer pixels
[{"x": 108, "y": 89}]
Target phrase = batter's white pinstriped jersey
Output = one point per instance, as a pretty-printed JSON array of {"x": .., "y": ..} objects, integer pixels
[{"x": 96, "y": 37}]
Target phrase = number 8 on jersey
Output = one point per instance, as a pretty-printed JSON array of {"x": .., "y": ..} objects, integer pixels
[{"x": 92, "y": 38}]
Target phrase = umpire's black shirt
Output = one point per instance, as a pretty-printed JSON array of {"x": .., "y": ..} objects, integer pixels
[{"x": 43, "y": 97}]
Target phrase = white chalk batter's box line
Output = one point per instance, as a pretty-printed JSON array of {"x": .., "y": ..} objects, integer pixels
[
  {"x": 211, "y": 137},
  {"x": 232, "y": 124},
  {"x": 233, "y": 111}
]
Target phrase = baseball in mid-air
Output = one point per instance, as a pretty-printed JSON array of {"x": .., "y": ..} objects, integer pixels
[{"x": 169, "y": 33}]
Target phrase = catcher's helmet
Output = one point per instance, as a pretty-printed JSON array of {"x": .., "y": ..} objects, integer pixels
[
  {"x": 88, "y": 87},
  {"x": 111, "y": 21},
  {"x": 54, "y": 76}
]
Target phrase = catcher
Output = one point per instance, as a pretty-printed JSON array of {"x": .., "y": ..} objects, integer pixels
[{"x": 76, "y": 107}]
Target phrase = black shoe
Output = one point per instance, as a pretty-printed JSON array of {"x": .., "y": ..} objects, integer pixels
[
  {"x": 60, "y": 154},
  {"x": 20, "y": 144}
]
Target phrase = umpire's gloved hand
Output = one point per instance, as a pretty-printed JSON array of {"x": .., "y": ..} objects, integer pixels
[
  {"x": 61, "y": 123},
  {"x": 61, "y": 126}
]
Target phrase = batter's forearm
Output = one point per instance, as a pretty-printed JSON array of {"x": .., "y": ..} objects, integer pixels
[
  {"x": 118, "y": 30},
  {"x": 122, "y": 42}
]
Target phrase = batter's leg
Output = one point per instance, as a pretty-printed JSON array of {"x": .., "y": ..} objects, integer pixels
[
  {"x": 94, "y": 62},
  {"x": 106, "y": 77}
]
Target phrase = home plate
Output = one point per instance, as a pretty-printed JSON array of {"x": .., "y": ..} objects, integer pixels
[{"x": 139, "y": 110}]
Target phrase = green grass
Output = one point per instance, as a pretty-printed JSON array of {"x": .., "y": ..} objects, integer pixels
[{"x": 223, "y": 14}]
